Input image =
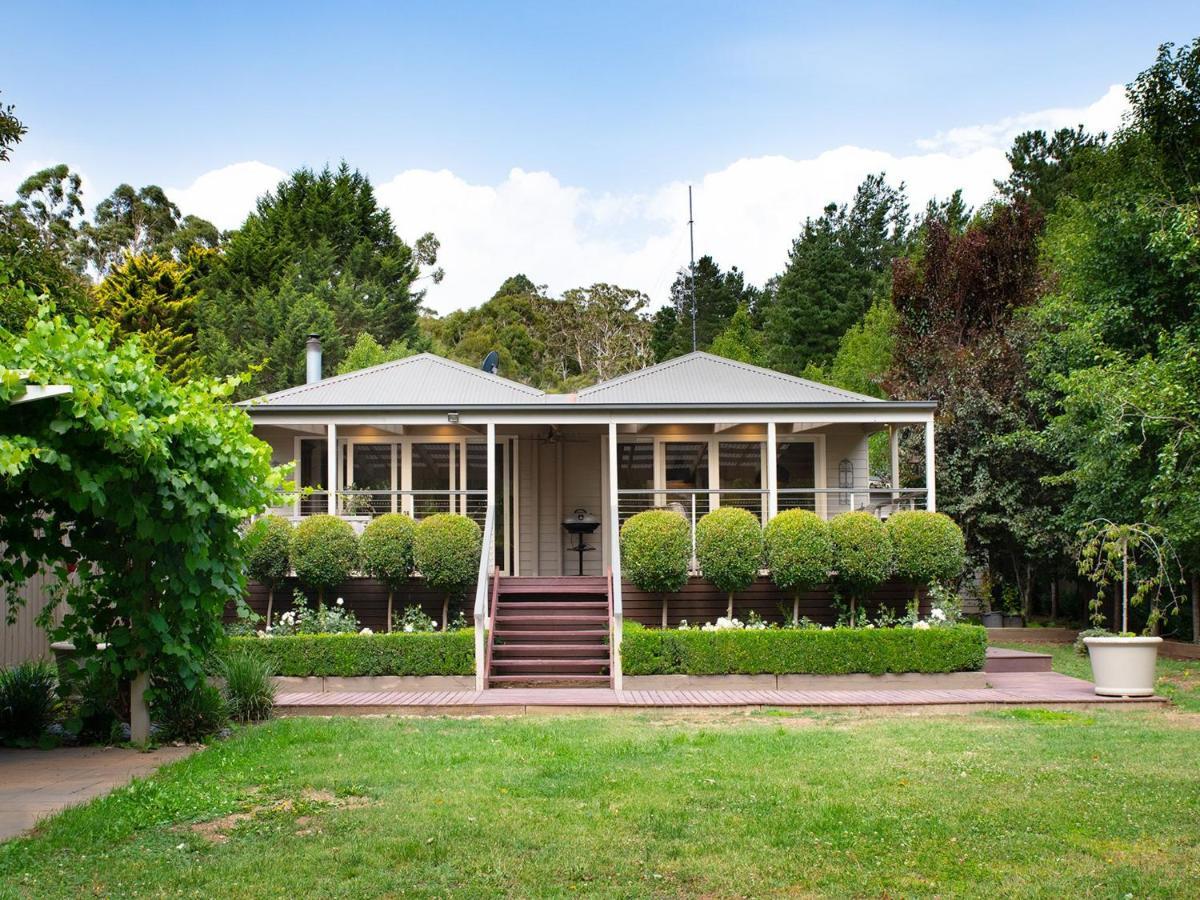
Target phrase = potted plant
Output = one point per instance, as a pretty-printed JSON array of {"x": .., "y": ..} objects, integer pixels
[
  {"x": 1123, "y": 664},
  {"x": 992, "y": 618},
  {"x": 1011, "y": 602}
]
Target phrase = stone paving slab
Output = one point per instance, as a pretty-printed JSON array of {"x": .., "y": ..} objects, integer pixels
[{"x": 37, "y": 783}]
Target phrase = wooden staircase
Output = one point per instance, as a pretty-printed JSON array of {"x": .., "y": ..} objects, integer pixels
[{"x": 550, "y": 632}]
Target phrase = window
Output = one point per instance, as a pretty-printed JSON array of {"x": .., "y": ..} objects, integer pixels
[
  {"x": 686, "y": 468},
  {"x": 741, "y": 466},
  {"x": 795, "y": 467},
  {"x": 313, "y": 469},
  {"x": 635, "y": 466},
  {"x": 371, "y": 471},
  {"x": 431, "y": 469}
]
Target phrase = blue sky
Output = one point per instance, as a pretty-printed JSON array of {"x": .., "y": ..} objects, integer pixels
[{"x": 603, "y": 110}]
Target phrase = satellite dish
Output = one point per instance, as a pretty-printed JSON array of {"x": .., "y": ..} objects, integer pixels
[{"x": 491, "y": 363}]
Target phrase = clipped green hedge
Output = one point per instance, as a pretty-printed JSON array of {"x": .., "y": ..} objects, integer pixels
[
  {"x": 801, "y": 651},
  {"x": 423, "y": 653},
  {"x": 929, "y": 546}
]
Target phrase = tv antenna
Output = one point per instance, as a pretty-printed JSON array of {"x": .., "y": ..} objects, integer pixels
[{"x": 692, "y": 264}]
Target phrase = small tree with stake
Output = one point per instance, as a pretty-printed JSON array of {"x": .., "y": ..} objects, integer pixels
[
  {"x": 268, "y": 554},
  {"x": 387, "y": 553},
  {"x": 446, "y": 549},
  {"x": 1141, "y": 553},
  {"x": 729, "y": 549}
]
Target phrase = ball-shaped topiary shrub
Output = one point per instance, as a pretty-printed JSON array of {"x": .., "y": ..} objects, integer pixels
[
  {"x": 268, "y": 544},
  {"x": 446, "y": 550},
  {"x": 386, "y": 547},
  {"x": 863, "y": 557},
  {"x": 799, "y": 553},
  {"x": 729, "y": 549},
  {"x": 656, "y": 550},
  {"x": 929, "y": 546},
  {"x": 324, "y": 552}
]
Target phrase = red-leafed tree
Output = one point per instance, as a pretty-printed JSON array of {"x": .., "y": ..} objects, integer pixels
[{"x": 960, "y": 340}]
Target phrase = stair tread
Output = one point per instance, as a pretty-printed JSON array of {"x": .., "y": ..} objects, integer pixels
[
  {"x": 551, "y": 604},
  {"x": 553, "y": 589},
  {"x": 551, "y": 620},
  {"x": 560, "y": 633},
  {"x": 548, "y": 677},
  {"x": 557, "y": 663},
  {"x": 594, "y": 645}
]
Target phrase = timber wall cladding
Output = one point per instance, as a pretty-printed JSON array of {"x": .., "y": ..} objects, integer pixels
[
  {"x": 24, "y": 639},
  {"x": 698, "y": 602}
]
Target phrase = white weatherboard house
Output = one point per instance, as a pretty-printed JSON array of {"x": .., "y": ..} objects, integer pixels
[{"x": 425, "y": 434}]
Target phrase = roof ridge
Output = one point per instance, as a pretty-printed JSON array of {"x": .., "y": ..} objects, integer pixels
[
  {"x": 784, "y": 377},
  {"x": 299, "y": 389}
]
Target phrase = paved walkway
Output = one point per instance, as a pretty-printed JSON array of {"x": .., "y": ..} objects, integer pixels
[
  {"x": 1007, "y": 689},
  {"x": 36, "y": 783}
]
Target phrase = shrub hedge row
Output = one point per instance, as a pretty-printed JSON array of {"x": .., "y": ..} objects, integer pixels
[
  {"x": 421, "y": 653},
  {"x": 803, "y": 651}
]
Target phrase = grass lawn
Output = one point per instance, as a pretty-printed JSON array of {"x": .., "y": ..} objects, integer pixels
[
  {"x": 1178, "y": 679},
  {"x": 1016, "y": 803}
]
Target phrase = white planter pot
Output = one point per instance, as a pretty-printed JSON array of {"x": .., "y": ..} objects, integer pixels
[{"x": 1123, "y": 666}]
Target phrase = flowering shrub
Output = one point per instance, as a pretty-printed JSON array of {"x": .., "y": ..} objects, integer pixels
[
  {"x": 414, "y": 619},
  {"x": 945, "y": 605},
  {"x": 335, "y": 619}
]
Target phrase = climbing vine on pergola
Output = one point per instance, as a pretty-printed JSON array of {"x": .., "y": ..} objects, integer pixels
[{"x": 138, "y": 485}]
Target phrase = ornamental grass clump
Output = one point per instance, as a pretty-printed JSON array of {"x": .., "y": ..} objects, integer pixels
[
  {"x": 929, "y": 547},
  {"x": 863, "y": 556},
  {"x": 799, "y": 553},
  {"x": 324, "y": 552},
  {"x": 249, "y": 686},
  {"x": 386, "y": 548},
  {"x": 446, "y": 549},
  {"x": 656, "y": 550},
  {"x": 28, "y": 702},
  {"x": 268, "y": 547},
  {"x": 729, "y": 549}
]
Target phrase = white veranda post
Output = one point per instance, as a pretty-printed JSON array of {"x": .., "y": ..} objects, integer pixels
[
  {"x": 930, "y": 468},
  {"x": 772, "y": 475},
  {"x": 331, "y": 464},
  {"x": 614, "y": 555}
]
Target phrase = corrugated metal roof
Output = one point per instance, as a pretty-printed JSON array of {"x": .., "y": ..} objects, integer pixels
[
  {"x": 421, "y": 380},
  {"x": 702, "y": 378}
]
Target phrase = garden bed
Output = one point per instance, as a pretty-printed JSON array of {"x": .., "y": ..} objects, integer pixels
[
  {"x": 344, "y": 655},
  {"x": 802, "y": 651}
]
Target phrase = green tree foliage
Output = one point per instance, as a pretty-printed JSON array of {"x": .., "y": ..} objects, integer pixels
[
  {"x": 155, "y": 298},
  {"x": 138, "y": 484},
  {"x": 656, "y": 550},
  {"x": 368, "y": 352},
  {"x": 446, "y": 551},
  {"x": 864, "y": 354},
  {"x": 840, "y": 261},
  {"x": 268, "y": 546},
  {"x": 798, "y": 548},
  {"x": 729, "y": 549},
  {"x": 324, "y": 552},
  {"x": 318, "y": 255},
  {"x": 387, "y": 552},
  {"x": 662, "y": 333},
  {"x": 740, "y": 340},
  {"x": 1045, "y": 168},
  {"x": 132, "y": 222},
  {"x": 1114, "y": 360},
  {"x": 11, "y": 130},
  {"x": 718, "y": 295}
]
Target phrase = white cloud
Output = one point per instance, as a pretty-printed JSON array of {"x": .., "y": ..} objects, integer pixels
[
  {"x": 1103, "y": 115},
  {"x": 226, "y": 196},
  {"x": 563, "y": 235}
]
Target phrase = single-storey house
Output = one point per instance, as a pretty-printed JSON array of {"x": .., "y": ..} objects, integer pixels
[{"x": 425, "y": 434}]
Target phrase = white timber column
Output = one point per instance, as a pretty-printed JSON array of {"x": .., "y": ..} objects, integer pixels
[
  {"x": 772, "y": 475},
  {"x": 894, "y": 456},
  {"x": 614, "y": 531},
  {"x": 332, "y": 461},
  {"x": 930, "y": 468},
  {"x": 491, "y": 473}
]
